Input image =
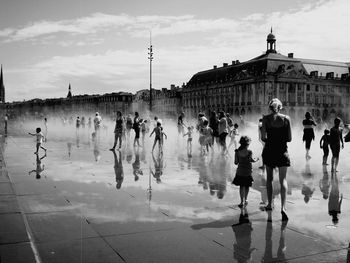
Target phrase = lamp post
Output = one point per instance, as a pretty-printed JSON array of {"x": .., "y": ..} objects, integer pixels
[{"x": 150, "y": 57}]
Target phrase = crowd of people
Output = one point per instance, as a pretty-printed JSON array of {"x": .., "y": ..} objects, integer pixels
[{"x": 274, "y": 133}]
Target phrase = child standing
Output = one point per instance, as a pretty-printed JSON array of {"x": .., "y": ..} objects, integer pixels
[
  {"x": 243, "y": 178},
  {"x": 233, "y": 134},
  {"x": 208, "y": 136},
  {"x": 158, "y": 130},
  {"x": 324, "y": 142},
  {"x": 39, "y": 139},
  {"x": 189, "y": 139}
]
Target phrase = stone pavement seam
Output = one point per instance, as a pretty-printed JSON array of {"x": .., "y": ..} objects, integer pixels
[{"x": 29, "y": 234}]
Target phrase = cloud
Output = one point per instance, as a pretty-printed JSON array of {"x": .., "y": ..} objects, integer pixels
[
  {"x": 314, "y": 31},
  {"x": 137, "y": 26}
]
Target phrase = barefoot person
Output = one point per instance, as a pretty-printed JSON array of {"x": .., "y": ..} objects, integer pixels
[
  {"x": 39, "y": 139},
  {"x": 244, "y": 159},
  {"x": 276, "y": 132},
  {"x": 309, "y": 134},
  {"x": 335, "y": 138}
]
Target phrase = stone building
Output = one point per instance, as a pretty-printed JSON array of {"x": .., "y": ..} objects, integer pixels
[
  {"x": 167, "y": 103},
  {"x": 107, "y": 104},
  {"x": 244, "y": 88}
]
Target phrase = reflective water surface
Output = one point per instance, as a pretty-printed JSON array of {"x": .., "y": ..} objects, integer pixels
[{"x": 182, "y": 199}]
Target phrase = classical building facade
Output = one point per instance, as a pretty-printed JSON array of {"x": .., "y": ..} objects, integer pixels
[{"x": 321, "y": 87}]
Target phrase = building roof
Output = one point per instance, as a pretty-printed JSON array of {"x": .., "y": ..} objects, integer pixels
[
  {"x": 323, "y": 67},
  {"x": 268, "y": 63}
]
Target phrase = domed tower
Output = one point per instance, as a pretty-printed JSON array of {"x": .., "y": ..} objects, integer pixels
[{"x": 271, "y": 43}]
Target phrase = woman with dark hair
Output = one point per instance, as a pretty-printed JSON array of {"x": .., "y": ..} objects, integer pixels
[
  {"x": 276, "y": 132},
  {"x": 309, "y": 134}
]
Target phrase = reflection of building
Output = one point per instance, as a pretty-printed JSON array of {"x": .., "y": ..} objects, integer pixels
[
  {"x": 321, "y": 87},
  {"x": 106, "y": 104}
]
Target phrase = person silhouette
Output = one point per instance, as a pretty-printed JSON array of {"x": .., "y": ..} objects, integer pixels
[
  {"x": 118, "y": 169},
  {"x": 276, "y": 132},
  {"x": 335, "y": 199},
  {"x": 39, "y": 166}
]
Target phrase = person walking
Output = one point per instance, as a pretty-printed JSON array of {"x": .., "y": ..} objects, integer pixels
[
  {"x": 335, "y": 138},
  {"x": 309, "y": 134},
  {"x": 276, "y": 133},
  {"x": 118, "y": 131},
  {"x": 244, "y": 179}
]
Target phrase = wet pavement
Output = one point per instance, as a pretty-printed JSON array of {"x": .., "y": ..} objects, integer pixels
[{"x": 84, "y": 203}]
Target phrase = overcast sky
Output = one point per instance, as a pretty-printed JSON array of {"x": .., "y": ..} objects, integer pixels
[{"x": 100, "y": 46}]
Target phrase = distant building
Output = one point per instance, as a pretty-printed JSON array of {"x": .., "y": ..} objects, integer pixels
[
  {"x": 168, "y": 102},
  {"x": 107, "y": 104},
  {"x": 242, "y": 88}
]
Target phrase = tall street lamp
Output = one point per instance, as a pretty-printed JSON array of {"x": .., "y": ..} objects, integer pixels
[{"x": 150, "y": 57}]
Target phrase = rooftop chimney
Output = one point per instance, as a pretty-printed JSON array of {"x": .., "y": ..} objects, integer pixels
[
  {"x": 290, "y": 55},
  {"x": 225, "y": 64},
  {"x": 214, "y": 67}
]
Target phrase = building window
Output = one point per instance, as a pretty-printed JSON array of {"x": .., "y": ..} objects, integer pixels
[
  {"x": 308, "y": 98},
  {"x": 308, "y": 87},
  {"x": 316, "y": 88}
]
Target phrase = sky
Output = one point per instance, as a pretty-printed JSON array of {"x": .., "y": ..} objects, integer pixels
[{"x": 101, "y": 46}]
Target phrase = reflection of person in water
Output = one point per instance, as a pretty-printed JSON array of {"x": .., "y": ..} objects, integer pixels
[
  {"x": 308, "y": 185},
  {"x": 325, "y": 183},
  {"x": 268, "y": 242},
  {"x": 334, "y": 202},
  {"x": 69, "y": 146},
  {"x": 243, "y": 233},
  {"x": 118, "y": 169},
  {"x": 96, "y": 145},
  {"x": 203, "y": 172},
  {"x": 39, "y": 166},
  {"x": 136, "y": 165},
  {"x": 158, "y": 167}
]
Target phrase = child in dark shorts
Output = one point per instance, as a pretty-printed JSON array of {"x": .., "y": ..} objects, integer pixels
[{"x": 243, "y": 178}]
